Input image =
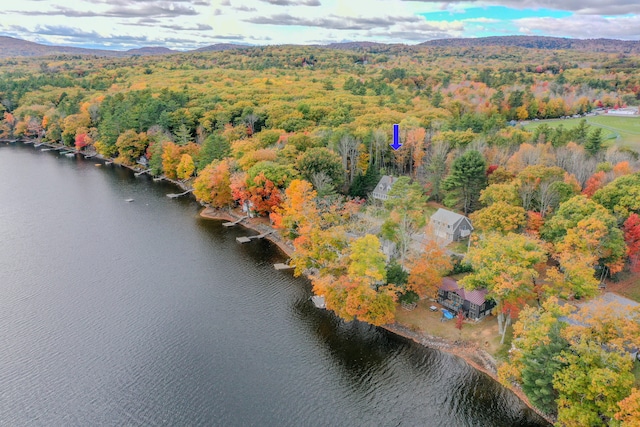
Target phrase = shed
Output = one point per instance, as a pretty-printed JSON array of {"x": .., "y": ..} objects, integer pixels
[{"x": 450, "y": 226}]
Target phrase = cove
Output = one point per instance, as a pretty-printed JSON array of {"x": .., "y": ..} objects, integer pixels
[{"x": 143, "y": 313}]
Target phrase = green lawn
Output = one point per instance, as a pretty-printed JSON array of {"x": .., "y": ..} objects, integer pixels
[{"x": 623, "y": 131}]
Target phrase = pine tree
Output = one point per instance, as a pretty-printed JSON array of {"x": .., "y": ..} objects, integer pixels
[
  {"x": 465, "y": 181},
  {"x": 540, "y": 365},
  {"x": 594, "y": 141}
]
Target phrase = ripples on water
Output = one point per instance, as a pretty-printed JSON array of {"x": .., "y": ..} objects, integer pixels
[{"x": 142, "y": 313}]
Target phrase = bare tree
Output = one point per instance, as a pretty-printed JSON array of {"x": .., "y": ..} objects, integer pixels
[
  {"x": 348, "y": 150},
  {"x": 572, "y": 158},
  {"x": 250, "y": 120},
  {"x": 379, "y": 144}
]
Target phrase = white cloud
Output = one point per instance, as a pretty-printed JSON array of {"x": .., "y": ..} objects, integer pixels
[
  {"x": 581, "y": 26},
  {"x": 186, "y": 24}
]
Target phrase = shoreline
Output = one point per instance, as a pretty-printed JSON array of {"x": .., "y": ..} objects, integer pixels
[{"x": 474, "y": 356}]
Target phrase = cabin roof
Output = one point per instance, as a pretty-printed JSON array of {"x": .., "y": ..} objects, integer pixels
[{"x": 477, "y": 296}]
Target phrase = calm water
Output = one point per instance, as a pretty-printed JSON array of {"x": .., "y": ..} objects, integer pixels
[{"x": 115, "y": 313}]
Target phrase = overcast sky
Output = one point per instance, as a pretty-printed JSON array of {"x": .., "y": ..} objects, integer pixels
[{"x": 188, "y": 24}]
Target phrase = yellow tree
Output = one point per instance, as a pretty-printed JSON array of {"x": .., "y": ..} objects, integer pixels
[
  {"x": 591, "y": 385},
  {"x": 297, "y": 209},
  {"x": 186, "y": 167},
  {"x": 505, "y": 266},
  {"x": 366, "y": 260},
  {"x": 500, "y": 217},
  {"x": 213, "y": 184}
]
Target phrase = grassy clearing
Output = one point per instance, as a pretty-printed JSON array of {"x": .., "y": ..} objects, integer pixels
[
  {"x": 627, "y": 285},
  {"x": 636, "y": 372},
  {"x": 483, "y": 333},
  {"x": 622, "y": 131}
]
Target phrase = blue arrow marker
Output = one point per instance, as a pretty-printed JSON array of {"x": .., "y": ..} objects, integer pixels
[{"x": 396, "y": 137}]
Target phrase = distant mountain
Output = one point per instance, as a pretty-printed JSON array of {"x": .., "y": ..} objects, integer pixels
[
  {"x": 541, "y": 42},
  {"x": 355, "y": 45},
  {"x": 10, "y": 46},
  {"x": 219, "y": 47},
  {"x": 151, "y": 50}
]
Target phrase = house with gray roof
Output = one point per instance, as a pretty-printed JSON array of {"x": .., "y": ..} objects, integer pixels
[
  {"x": 473, "y": 304},
  {"x": 381, "y": 192},
  {"x": 450, "y": 226}
]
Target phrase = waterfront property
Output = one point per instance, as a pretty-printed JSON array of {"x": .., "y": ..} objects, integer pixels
[
  {"x": 450, "y": 226},
  {"x": 473, "y": 304}
]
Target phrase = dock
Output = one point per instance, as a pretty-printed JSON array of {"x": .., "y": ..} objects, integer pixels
[
  {"x": 238, "y": 221},
  {"x": 174, "y": 195},
  {"x": 247, "y": 239},
  {"x": 282, "y": 266},
  {"x": 141, "y": 172}
]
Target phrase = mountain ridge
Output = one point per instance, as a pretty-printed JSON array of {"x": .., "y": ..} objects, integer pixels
[{"x": 14, "y": 47}]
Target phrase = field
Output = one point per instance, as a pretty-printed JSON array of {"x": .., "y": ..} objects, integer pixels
[{"x": 622, "y": 131}]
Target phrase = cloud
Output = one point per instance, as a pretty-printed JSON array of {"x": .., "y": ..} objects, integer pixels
[
  {"x": 332, "y": 21},
  {"x": 160, "y": 9},
  {"x": 582, "y": 26},
  {"x": 244, "y": 8},
  {"x": 585, "y": 7},
  {"x": 155, "y": 23},
  {"x": 293, "y": 2}
]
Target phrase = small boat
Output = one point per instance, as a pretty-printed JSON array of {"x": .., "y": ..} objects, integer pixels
[
  {"x": 318, "y": 301},
  {"x": 128, "y": 200}
]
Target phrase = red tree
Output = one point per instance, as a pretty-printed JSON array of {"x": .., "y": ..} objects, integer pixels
[
  {"x": 631, "y": 228},
  {"x": 82, "y": 140},
  {"x": 264, "y": 195},
  {"x": 594, "y": 183}
]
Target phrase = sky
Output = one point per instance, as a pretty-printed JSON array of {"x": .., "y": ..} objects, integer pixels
[{"x": 189, "y": 24}]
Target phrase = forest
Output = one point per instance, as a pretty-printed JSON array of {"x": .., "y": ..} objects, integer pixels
[{"x": 301, "y": 135}]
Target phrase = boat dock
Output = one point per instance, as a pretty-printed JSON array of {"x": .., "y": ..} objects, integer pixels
[
  {"x": 141, "y": 172},
  {"x": 238, "y": 221},
  {"x": 174, "y": 195},
  {"x": 282, "y": 266},
  {"x": 247, "y": 239}
]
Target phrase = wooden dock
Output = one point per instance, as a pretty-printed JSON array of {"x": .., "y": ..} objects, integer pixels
[
  {"x": 247, "y": 239},
  {"x": 238, "y": 221},
  {"x": 282, "y": 266},
  {"x": 174, "y": 195},
  {"x": 141, "y": 172}
]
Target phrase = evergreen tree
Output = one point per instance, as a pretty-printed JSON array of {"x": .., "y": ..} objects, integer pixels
[
  {"x": 594, "y": 141},
  {"x": 539, "y": 367},
  {"x": 465, "y": 181},
  {"x": 183, "y": 135},
  {"x": 214, "y": 147}
]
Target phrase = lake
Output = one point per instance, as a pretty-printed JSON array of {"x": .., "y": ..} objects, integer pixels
[{"x": 143, "y": 313}]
